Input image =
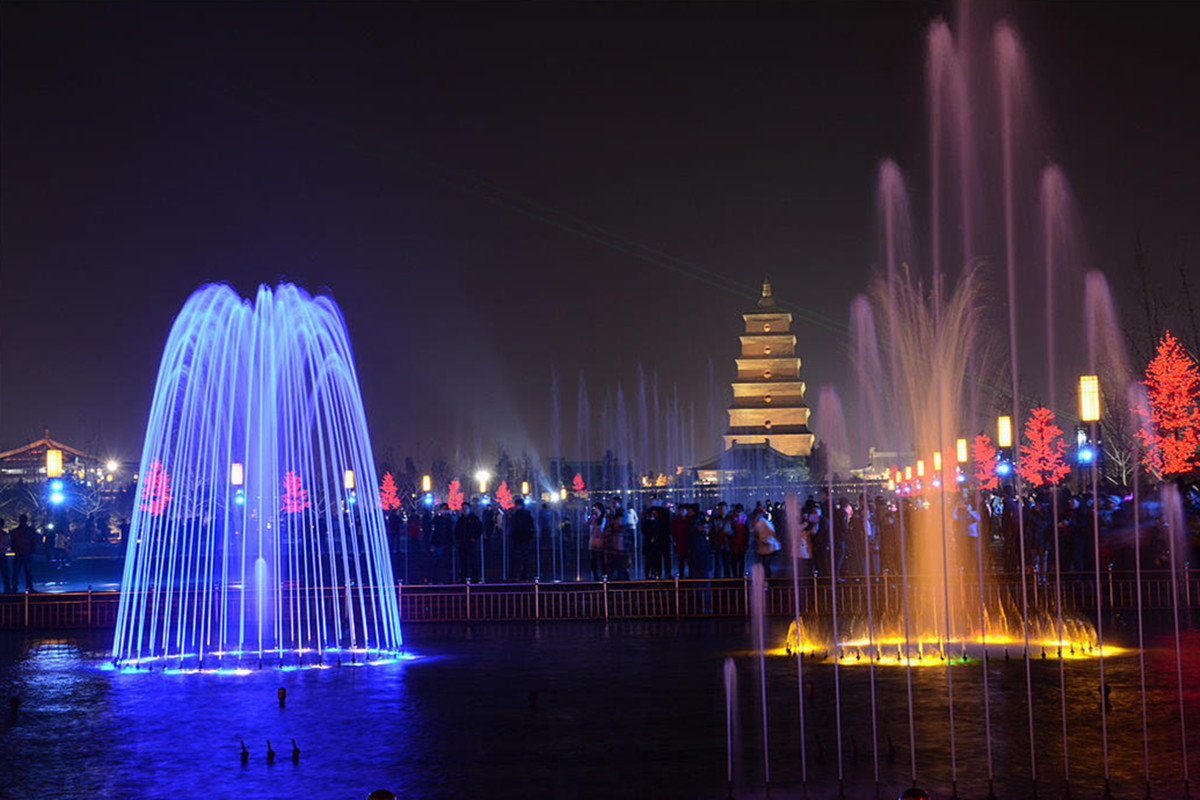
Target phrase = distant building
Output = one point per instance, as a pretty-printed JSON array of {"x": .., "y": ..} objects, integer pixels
[
  {"x": 768, "y": 444},
  {"x": 28, "y": 462},
  {"x": 768, "y": 395}
]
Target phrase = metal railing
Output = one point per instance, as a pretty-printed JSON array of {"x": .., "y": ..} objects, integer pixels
[{"x": 676, "y": 598}]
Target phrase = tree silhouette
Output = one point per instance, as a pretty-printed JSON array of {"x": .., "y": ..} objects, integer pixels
[
  {"x": 1042, "y": 459},
  {"x": 156, "y": 489},
  {"x": 504, "y": 496},
  {"x": 295, "y": 496},
  {"x": 389, "y": 498},
  {"x": 984, "y": 456},
  {"x": 454, "y": 496},
  {"x": 1170, "y": 431}
]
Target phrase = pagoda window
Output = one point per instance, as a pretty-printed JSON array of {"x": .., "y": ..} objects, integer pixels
[
  {"x": 767, "y": 350},
  {"x": 767, "y": 399},
  {"x": 766, "y": 327},
  {"x": 766, "y": 373},
  {"x": 767, "y": 424}
]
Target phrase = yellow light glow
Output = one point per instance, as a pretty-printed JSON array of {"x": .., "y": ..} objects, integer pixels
[
  {"x": 524, "y": 487},
  {"x": 54, "y": 468},
  {"x": 426, "y": 483},
  {"x": 767, "y": 399},
  {"x": 1089, "y": 398},
  {"x": 237, "y": 474},
  {"x": 348, "y": 480},
  {"x": 891, "y": 485},
  {"x": 562, "y": 493},
  {"x": 113, "y": 465},
  {"x": 766, "y": 373},
  {"x": 766, "y": 327},
  {"x": 767, "y": 350},
  {"x": 920, "y": 468},
  {"x": 1004, "y": 431},
  {"x": 937, "y": 462},
  {"x": 960, "y": 450},
  {"x": 110, "y": 477},
  {"x": 908, "y": 473}
]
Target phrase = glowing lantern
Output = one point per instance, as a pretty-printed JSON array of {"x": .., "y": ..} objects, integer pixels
[
  {"x": 920, "y": 468},
  {"x": 348, "y": 480},
  {"x": 54, "y": 464},
  {"x": 426, "y": 483},
  {"x": 937, "y": 461},
  {"x": 960, "y": 450},
  {"x": 1004, "y": 431},
  {"x": 1089, "y": 398},
  {"x": 237, "y": 474},
  {"x": 524, "y": 487},
  {"x": 908, "y": 473}
]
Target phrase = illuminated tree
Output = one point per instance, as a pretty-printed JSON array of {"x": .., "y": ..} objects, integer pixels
[
  {"x": 295, "y": 496},
  {"x": 454, "y": 496},
  {"x": 1170, "y": 432},
  {"x": 984, "y": 456},
  {"x": 389, "y": 498},
  {"x": 1042, "y": 459},
  {"x": 504, "y": 496},
  {"x": 156, "y": 489},
  {"x": 577, "y": 485}
]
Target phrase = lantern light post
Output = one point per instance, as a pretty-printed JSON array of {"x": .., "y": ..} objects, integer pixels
[
  {"x": 960, "y": 451},
  {"x": 1089, "y": 412}
]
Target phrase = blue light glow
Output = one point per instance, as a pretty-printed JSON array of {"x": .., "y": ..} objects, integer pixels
[
  {"x": 1086, "y": 455},
  {"x": 269, "y": 572},
  {"x": 1003, "y": 468}
]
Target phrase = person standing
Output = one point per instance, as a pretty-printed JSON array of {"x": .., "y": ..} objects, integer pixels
[
  {"x": 718, "y": 539},
  {"x": 5, "y": 574},
  {"x": 765, "y": 543},
  {"x": 522, "y": 531},
  {"x": 440, "y": 541},
  {"x": 739, "y": 541},
  {"x": 467, "y": 531},
  {"x": 596, "y": 523},
  {"x": 24, "y": 539}
]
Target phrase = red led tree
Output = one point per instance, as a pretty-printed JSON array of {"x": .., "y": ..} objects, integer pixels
[
  {"x": 156, "y": 489},
  {"x": 389, "y": 498},
  {"x": 1170, "y": 432},
  {"x": 984, "y": 456},
  {"x": 454, "y": 496},
  {"x": 1042, "y": 459},
  {"x": 295, "y": 496},
  {"x": 577, "y": 485},
  {"x": 504, "y": 496}
]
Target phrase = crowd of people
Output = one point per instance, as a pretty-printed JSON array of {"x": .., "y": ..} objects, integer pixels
[{"x": 850, "y": 533}]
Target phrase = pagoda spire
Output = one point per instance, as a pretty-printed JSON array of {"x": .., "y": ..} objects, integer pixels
[{"x": 766, "y": 301}]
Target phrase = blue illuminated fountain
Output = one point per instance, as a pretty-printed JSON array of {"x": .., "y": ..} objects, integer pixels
[{"x": 248, "y": 544}]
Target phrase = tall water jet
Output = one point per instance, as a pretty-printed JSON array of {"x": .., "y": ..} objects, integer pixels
[{"x": 248, "y": 543}]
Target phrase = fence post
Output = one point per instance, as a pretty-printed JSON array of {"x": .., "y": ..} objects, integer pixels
[
  {"x": 605, "y": 584},
  {"x": 746, "y": 594},
  {"x": 1187, "y": 585},
  {"x": 1110, "y": 588},
  {"x": 468, "y": 601},
  {"x": 400, "y": 598},
  {"x": 26, "y": 606},
  {"x": 537, "y": 607},
  {"x": 89, "y": 606},
  {"x": 816, "y": 595},
  {"x": 676, "y": 597}
]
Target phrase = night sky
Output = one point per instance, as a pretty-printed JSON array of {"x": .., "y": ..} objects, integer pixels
[{"x": 494, "y": 191}]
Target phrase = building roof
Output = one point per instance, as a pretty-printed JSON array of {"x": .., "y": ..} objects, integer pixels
[{"x": 32, "y": 456}]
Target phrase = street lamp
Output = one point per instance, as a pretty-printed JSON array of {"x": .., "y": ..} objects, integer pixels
[
  {"x": 426, "y": 484},
  {"x": 937, "y": 461},
  {"x": 237, "y": 474},
  {"x": 960, "y": 451},
  {"x": 920, "y": 468},
  {"x": 482, "y": 476},
  {"x": 348, "y": 480}
]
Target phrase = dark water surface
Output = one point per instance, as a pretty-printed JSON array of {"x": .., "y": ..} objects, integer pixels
[{"x": 633, "y": 710}]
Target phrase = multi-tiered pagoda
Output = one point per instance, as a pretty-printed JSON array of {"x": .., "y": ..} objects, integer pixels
[{"x": 768, "y": 396}]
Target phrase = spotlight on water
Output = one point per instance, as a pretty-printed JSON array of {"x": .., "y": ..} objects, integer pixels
[{"x": 246, "y": 545}]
